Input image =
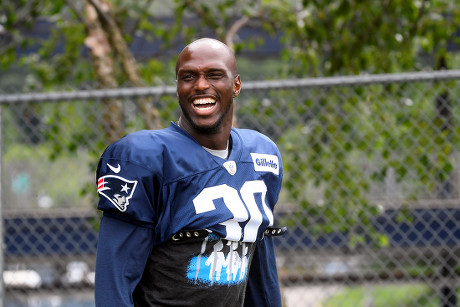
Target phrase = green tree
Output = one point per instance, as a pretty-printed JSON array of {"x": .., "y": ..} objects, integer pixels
[{"x": 319, "y": 38}]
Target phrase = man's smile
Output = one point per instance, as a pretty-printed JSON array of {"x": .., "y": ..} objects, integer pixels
[{"x": 204, "y": 104}]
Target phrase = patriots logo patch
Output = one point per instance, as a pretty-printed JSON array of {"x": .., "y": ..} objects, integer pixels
[{"x": 116, "y": 189}]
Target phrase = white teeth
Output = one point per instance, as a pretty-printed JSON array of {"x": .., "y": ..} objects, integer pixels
[{"x": 203, "y": 101}]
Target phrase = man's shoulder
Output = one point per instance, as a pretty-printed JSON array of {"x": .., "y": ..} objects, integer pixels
[
  {"x": 254, "y": 141},
  {"x": 145, "y": 146},
  {"x": 147, "y": 139}
]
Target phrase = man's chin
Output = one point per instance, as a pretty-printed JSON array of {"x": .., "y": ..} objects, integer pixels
[{"x": 207, "y": 128}]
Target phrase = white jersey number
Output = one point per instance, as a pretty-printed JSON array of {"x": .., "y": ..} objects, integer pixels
[{"x": 242, "y": 208}]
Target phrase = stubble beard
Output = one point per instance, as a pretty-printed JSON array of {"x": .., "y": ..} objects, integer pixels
[{"x": 212, "y": 129}]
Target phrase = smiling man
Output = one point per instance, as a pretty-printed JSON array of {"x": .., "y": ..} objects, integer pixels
[
  {"x": 196, "y": 225},
  {"x": 207, "y": 82}
]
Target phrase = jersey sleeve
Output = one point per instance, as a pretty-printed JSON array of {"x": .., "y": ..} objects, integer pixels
[
  {"x": 122, "y": 253},
  {"x": 263, "y": 285},
  {"x": 128, "y": 179},
  {"x": 128, "y": 184}
]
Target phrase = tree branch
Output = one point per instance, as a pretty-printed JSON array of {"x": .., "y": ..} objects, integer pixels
[
  {"x": 234, "y": 29},
  {"x": 79, "y": 15},
  {"x": 144, "y": 8},
  {"x": 206, "y": 17},
  {"x": 421, "y": 12}
]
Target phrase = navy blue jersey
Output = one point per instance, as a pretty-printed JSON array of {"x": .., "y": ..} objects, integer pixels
[{"x": 153, "y": 184}]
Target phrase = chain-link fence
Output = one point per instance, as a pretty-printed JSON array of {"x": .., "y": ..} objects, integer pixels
[{"x": 371, "y": 188}]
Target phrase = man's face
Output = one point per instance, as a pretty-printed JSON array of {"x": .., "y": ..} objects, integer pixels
[{"x": 206, "y": 85}]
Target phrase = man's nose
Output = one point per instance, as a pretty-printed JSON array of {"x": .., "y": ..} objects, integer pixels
[{"x": 201, "y": 83}]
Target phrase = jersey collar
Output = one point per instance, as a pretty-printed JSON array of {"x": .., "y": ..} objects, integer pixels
[{"x": 235, "y": 146}]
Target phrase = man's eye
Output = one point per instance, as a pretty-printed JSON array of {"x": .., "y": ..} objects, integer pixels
[
  {"x": 215, "y": 75},
  {"x": 187, "y": 77}
]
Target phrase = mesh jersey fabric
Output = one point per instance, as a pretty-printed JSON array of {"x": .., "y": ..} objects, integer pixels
[{"x": 162, "y": 181}]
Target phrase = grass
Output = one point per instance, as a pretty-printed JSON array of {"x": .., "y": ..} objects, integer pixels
[{"x": 407, "y": 295}]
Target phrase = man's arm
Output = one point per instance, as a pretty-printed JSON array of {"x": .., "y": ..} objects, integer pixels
[
  {"x": 122, "y": 252},
  {"x": 263, "y": 286}
]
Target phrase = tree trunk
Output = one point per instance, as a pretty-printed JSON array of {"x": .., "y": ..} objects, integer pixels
[
  {"x": 128, "y": 63},
  {"x": 101, "y": 52}
]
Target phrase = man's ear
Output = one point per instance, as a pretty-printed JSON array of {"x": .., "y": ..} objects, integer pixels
[{"x": 236, "y": 86}]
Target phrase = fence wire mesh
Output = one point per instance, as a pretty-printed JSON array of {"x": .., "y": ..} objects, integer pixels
[{"x": 371, "y": 186}]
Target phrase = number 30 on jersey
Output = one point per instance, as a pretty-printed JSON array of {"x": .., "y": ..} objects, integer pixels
[{"x": 242, "y": 208}]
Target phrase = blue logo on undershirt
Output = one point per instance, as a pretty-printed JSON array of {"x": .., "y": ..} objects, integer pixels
[{"x": 226, "y": 265}]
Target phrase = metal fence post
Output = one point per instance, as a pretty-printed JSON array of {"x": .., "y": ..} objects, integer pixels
[
  {"x": 448, "y": 291},
  {"x": 2, "y": 288}
]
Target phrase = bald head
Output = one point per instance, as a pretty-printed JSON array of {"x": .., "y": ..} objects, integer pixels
[
  {"x": 207, "y": 82},
  {"x": 209, "y": 46}
]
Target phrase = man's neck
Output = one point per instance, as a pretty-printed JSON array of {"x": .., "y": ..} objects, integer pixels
[
  {"x": 219, "y": 153},
  {"x": 216, "y": 141}
]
